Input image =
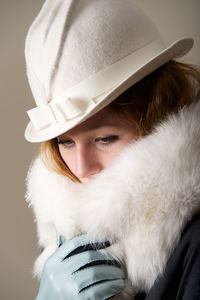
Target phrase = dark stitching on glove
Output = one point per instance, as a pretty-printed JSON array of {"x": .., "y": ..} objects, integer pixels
[
  {"x": 97, "y": 282},
  {"x": 92, "y": 246},
  {"x": 97, "y": 263}
]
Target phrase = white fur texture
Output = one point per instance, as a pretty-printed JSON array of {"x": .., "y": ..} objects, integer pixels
[{"x": 141, "y": 202}]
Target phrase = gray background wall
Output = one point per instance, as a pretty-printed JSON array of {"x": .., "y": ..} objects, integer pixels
[{"x": 175, "y": 19}]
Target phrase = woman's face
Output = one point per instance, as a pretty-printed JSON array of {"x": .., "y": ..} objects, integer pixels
[{"x": 91, "y": 146}]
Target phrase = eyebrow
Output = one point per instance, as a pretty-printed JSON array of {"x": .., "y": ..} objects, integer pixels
[
  {"x": 93, "y": 127},
  {"x": 96, "y": 126}
]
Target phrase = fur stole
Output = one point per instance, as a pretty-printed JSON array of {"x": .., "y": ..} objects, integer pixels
[{"x": 141, "y": 202}]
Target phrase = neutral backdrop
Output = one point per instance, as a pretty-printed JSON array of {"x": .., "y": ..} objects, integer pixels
[{"x": 174, "y": 18}]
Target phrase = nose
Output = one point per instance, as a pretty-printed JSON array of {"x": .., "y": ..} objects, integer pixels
[{"x": 87, "y": 163}]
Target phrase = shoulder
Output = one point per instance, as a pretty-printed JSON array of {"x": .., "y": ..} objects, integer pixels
[
  {"x": 181, "y": 277},
  {"x": 189, "y": 247},
  {"x": 191, "y": 234},
  {"x": 185, "y": 260}
]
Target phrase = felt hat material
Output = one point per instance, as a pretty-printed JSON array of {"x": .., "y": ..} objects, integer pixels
[{"x": 81, "y": 55}]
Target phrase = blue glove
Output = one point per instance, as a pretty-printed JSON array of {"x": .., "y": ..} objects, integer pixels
[{"x": 76, "y": 270}]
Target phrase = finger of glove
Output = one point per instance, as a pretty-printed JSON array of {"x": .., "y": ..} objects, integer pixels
[
  {"x": 94, "y": 274},
  {"x": 82, "y": 260},
  {"x": 103, "y": 290},
  {"x": 69, "y": 246}
]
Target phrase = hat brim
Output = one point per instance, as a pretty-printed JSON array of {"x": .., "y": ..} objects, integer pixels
[{"x": 176, "y": 50}]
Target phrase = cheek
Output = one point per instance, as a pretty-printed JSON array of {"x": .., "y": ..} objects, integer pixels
[
  {"x": 116, "y": 149},
  {"x": 62, "y": 152},
  {"x": 113, "y": 152},
  {"x": 67, "y": 156}
]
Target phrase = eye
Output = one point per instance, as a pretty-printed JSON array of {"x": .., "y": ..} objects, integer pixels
[
  {"x": 107, "y": 140},
  {"x": 66, "y": 143}
]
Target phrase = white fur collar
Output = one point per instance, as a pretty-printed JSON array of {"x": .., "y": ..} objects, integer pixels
[{"x": 141, "y": 202}]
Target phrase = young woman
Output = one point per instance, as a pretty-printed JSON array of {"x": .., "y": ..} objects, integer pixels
[{"x": 116, "y": 186}]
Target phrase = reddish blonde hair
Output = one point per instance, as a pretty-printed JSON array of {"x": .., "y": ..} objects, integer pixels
[{"x": 145, "y": 104}]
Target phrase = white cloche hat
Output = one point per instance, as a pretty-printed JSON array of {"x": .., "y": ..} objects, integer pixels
[{"x": 82, "y": 54}]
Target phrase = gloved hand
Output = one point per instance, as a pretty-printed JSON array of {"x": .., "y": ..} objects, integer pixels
[{"x": 77, "y": 271}]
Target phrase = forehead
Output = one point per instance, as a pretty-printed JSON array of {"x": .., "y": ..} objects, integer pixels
[{"x": 105, "y": 118}]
